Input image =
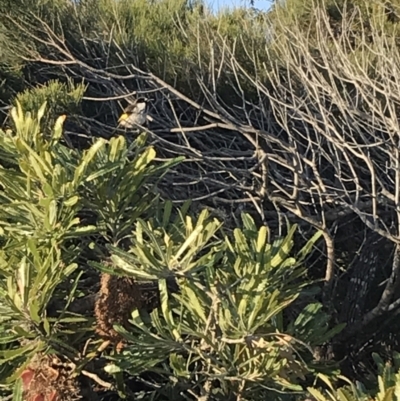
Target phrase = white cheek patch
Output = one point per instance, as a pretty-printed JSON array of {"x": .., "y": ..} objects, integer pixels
[{"x": 140, "y": 107}]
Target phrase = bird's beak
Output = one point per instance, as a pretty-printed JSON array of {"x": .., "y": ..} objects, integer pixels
[{"x": 123, "y": 117}]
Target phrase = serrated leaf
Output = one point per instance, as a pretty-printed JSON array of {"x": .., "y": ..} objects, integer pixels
[{"x": 8, "y": 355}]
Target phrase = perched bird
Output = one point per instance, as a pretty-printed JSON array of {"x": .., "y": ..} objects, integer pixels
[{"x": 135, "y": 114}]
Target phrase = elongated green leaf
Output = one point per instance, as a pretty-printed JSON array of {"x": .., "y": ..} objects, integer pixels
[
  {"x": 34, "y": 311},
  {"x": 52, "y": 213},
  {"x": 166, "y": 310},
  {"x": 317, "y": 394},
  {"x": 71, "y": 201},
  {"x": 194, "y": 303},
  {"x": 326, "y": 380},
  {"x": 192, "y": 237},
  {"x": 144, "y": 159},
  {"x": 41, "y": 111},
  {"x": 58, "y": 129},
  {"x": 87, "y": 158},
  {"x": 102, "y": 172},
  {"x": 17, "y": 393},
  {"x": 308, "y": 247},
  {"x": 284, "y": 249},
  {"x": 345, "y": 395},
  {"x": 167, "y": 214},
  {"x": 8, "y": 355},
  {"x": 262, "y": 238}
]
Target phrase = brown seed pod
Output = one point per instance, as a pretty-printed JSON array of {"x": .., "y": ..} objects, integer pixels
[
  {"x": 117, "y": 298},
  {"x": 47, "y": 379}
]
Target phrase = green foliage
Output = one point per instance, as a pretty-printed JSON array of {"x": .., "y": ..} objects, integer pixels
[
  {"x": 385, "y": 385},
  {"x": 42, "y": 193},
  {"x": 312, "y": 325},
  {"x": 174, "y": 39},
  {"x": 60, "y": 98},
  {"x": 11, "y": 81},
  {"x": 45, "y": 190},
  {"x": 38, "y": 214},
  {"x": 355, "y": 19},
  {"x": 387, "y": 388},
  {"x": 114, "y": 188},
  {"x": 223, "y": 331},
  {"x": 170, "y": 243},
  {"x": 291, "y": 10}
]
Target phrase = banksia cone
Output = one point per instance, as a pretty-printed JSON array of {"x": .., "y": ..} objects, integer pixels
[
  {"x": 46, "y": 379},
  {"x": 117, "y": 298}
]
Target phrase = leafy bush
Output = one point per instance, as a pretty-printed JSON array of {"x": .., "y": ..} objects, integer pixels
[
  {"x": 385, "y": 386},
  {"x": 60, "y": 98},
  {"x": 222, "y": 332},
  {"x": 45, "y": 233},
  {"x": 218, "y": 324}
]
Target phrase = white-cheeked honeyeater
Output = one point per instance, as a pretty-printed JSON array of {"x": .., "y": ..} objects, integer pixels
[{"x": 134, "y": 115}]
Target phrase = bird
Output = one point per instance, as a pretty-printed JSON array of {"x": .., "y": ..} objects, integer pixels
[{"x": 136, "y": 114}]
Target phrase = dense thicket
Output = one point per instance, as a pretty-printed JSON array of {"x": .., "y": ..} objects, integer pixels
[{"x": 259, "y": 118}]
